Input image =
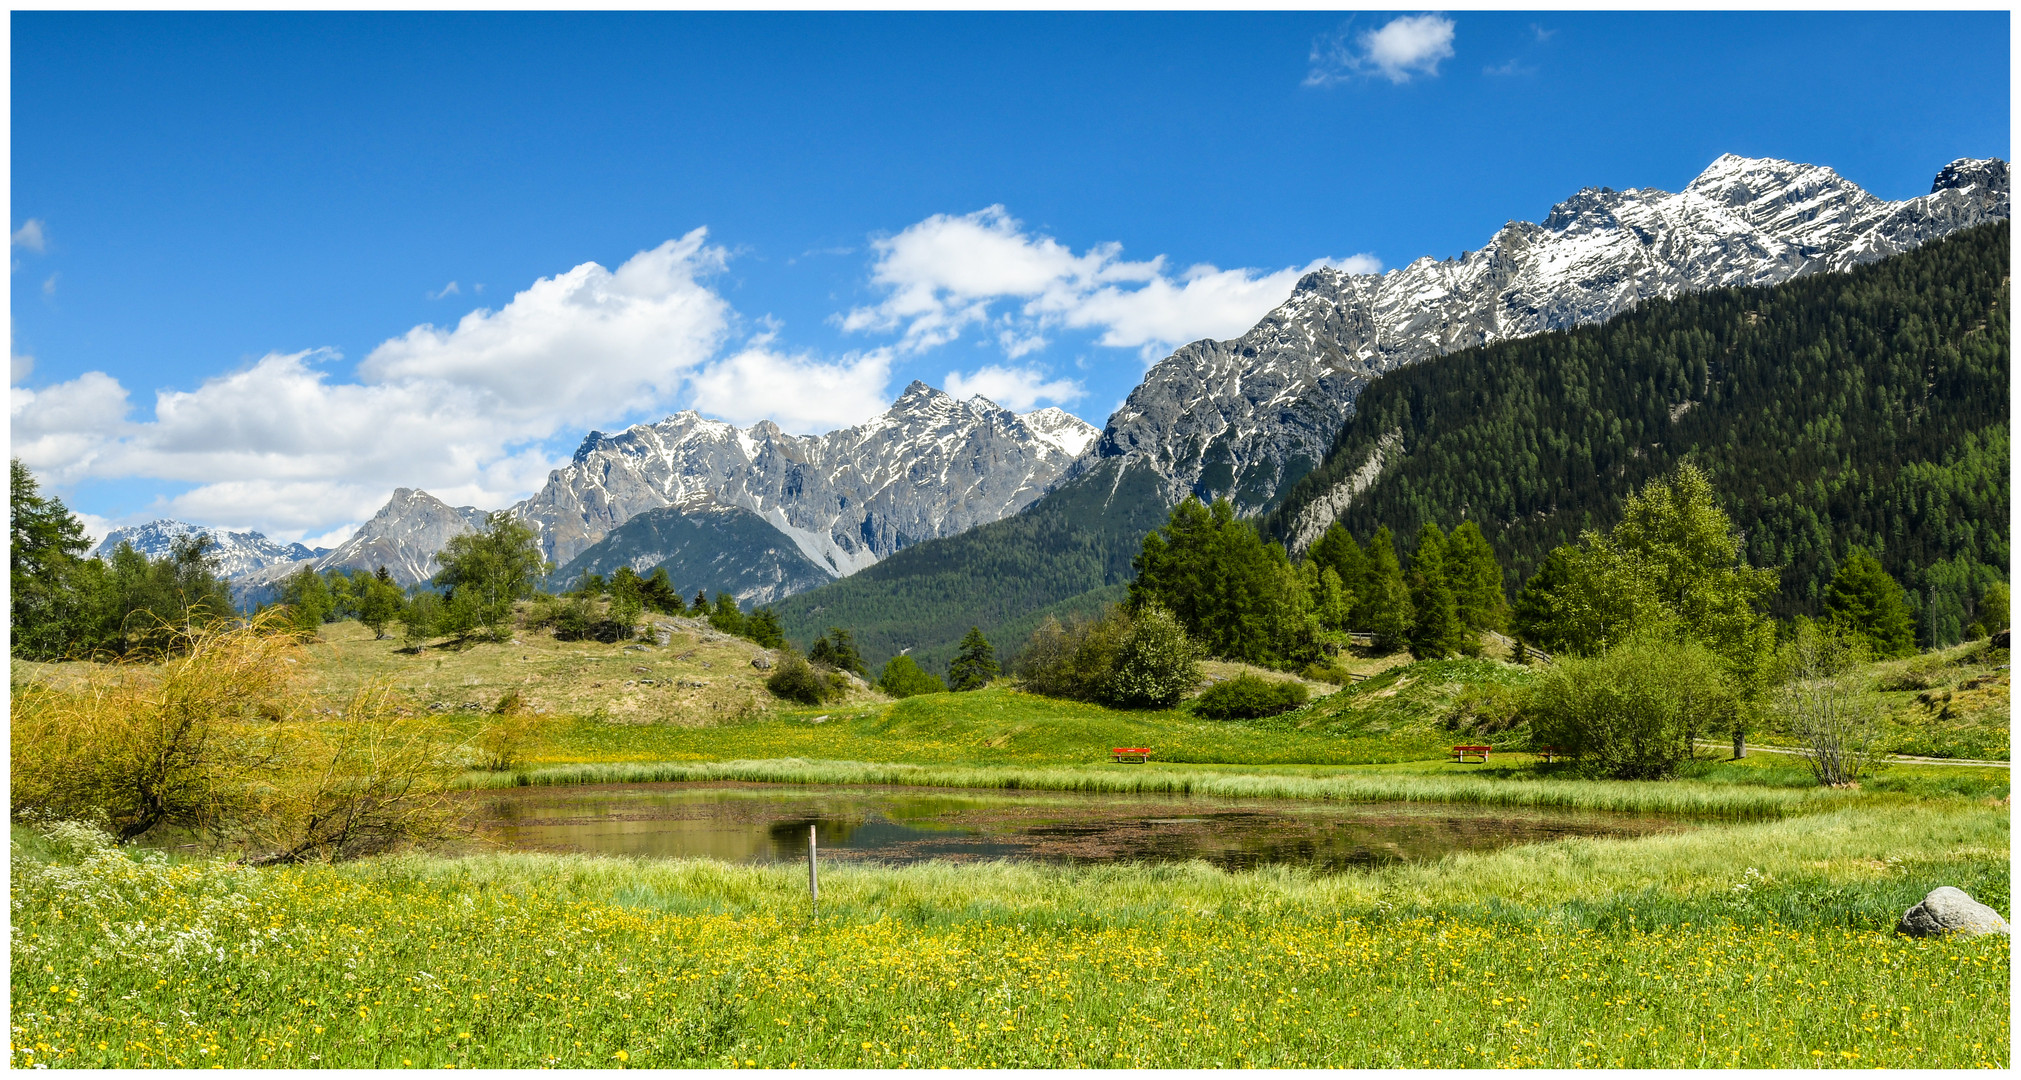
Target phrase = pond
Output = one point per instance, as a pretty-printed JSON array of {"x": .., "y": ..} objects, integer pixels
[{"x": 766, "y": 823}]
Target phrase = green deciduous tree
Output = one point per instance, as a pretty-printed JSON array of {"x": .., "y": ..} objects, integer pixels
[
  {"x": 484, "y": 572},
  {"x": 1673, "y": 561},
  {"x": 379, "y": 601},
  {"x": 308, "y": 598},
  {"x": 1128, "y": 659}
]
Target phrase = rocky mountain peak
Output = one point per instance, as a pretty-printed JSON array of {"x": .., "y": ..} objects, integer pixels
[{"x": 930, "y": 465}]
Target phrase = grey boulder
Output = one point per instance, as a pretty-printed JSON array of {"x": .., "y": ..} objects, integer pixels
[{"x": 1949, "y": 910}]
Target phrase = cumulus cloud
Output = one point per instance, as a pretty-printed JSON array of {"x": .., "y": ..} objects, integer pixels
[
  {"x": 579, "y": 344},
  {"x": 802, "y": 394},
  {"x": 31, "y": 236},
  {"x": 949, "y": 273},
  {"x": 282, "y": 446},
  {"x": 1405, "y": 45},
  {"x": 1016, "y": 389}
]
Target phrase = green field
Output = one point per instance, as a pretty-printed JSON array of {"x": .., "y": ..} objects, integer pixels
[
  {"x": 1762, "y": 945},
  {"x": 1760, "y": 938}
]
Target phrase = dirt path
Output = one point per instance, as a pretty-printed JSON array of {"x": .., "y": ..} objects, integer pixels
[{"x": 1890, "y": 757}]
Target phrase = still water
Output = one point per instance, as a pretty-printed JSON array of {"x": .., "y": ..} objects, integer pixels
[{"x": 760, "y": 823}]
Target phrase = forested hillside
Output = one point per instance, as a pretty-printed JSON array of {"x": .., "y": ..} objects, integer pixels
[
  {"x": 1865, "y": 409},
  {"x": 1079, "y": 537}
]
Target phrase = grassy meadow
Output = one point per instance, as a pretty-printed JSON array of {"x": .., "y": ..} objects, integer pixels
[{"x": 1762, "y": 937}]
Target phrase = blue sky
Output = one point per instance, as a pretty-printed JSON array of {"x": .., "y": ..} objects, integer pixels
[{"x": 248, "y": 249}]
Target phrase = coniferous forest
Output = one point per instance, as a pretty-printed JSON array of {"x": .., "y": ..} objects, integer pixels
[{"x": 1833, "y": 414}]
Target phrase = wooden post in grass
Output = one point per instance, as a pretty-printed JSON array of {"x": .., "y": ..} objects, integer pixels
[
  {"x": 1739, "y": 744},
  {"x": 813, "y": 876}
]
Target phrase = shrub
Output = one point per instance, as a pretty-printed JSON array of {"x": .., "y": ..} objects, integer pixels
[
  {"x": 1329, "y": 672},
  {"x": 216, "y": 739},
  {"x": 1247, "y": 697},
  {"x": 796, "y": 680},
  {"x": 1129, "y": 661},
  {"x": 1633, "y": 712},
  {"x": 1484, "y": 709},
  {"x": 1156, "y": 665},
  {"x": 903, "y": 677},
  {"x": 503, "y": 741},
  {"x": 1827, "y": 704}
]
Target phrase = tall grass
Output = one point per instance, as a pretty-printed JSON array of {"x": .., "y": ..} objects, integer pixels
[
  {"x": 1675, "y": 797},
  {"x": 1729, "y": 946}
]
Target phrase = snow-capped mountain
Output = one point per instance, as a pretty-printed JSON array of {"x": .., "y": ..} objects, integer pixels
[
  {"x": 930, "y": 466},
  {"x": 1246, "y": 418},
  {"x": 236, "y": 553},
  {"x": 403, "y": 537}
]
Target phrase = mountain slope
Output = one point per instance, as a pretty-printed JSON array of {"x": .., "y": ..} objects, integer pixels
[
  {"x": 1867, "y": 408},
  {"x": 1246, "y": 418},
  {"x": 1080, "y": 537},
  {"x": 724, "y": 549}
]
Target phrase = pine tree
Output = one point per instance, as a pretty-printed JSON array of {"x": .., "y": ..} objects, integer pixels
[
  {"x": 837, "y": 649},
  {"x": 727, "y": 616},
  {"x": 1864, "y": 599},
  {"x": 1476, "y": 579},
  {"x": 1383, "y": 606},
  {"x": 1338, "y": 551},
  {"x": 976, "y": 666},
  {"x": 1436, "y": 630},
  {"x": 763, "y": 628}
]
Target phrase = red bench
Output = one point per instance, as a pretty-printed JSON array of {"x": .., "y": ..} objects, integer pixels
[
  {"x": 1549, "y": 752},
  {"x": 1460, "y": 752},
  {"x": 1124, "y": 753}
]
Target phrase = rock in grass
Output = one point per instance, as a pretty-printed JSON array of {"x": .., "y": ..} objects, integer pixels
[{"x": 1948, "y": 910}]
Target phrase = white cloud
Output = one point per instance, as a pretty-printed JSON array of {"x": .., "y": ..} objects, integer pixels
[
  {"x": 31, "y": 236},
  {"x": 799, "y": 393},
  {"x": 283, "y": 447},
  {"x": 446, "y": 290},
  {"x": 578, "y": 345},
  {"x": 1016, "y": 389},
  {"x": 1512, "y": 67},
  {"x": 19, "y": 368},
  {"x": 49, "y": 285},
  {"x": 1406, "y": 44},
  {"x": 62, "y": 431},
  {"x": 948, "y": 273}
]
